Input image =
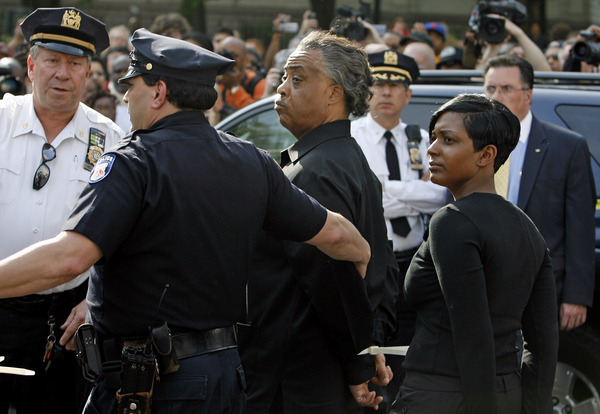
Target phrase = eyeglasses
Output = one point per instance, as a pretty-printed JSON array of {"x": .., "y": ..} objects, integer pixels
[
  {"x": 503, "y": 89},
  {"x": 42, "y": 174}
]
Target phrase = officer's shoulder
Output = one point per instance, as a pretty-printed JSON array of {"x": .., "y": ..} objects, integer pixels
[
  {"x": 102, "y": 121},
  {"x": 229, "y": 137}
]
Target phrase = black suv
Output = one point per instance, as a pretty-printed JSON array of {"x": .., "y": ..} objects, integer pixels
[{"x": 571, "y": 100}]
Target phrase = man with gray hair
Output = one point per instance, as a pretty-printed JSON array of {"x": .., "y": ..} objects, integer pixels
[
  {"x": 49, "y": 143},
  {"x": 314, "y": 314}
]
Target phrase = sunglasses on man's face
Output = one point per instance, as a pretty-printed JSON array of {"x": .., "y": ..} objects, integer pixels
[{"x": 42, "y": 174}]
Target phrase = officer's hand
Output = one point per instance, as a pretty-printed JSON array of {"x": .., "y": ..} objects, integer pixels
[
  {"x": 75, "y": 319},
  {"x": 384, "y": 373},
  {"x": 572, "y": 316},
  {"x": 364, "y": 397}
]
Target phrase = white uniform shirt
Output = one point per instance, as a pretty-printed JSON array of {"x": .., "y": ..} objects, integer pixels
[
  {"x": 27, "y": 215},
  {"x": 409, "y": 197}
]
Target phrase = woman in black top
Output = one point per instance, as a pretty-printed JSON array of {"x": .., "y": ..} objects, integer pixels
[{"x": 482, "y": 274}]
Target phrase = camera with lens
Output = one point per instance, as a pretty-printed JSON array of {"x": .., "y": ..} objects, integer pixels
[
  {"x": 8, "y": 82},
  {"x": 491, "y": 29},
  {"x": 589, "y": 50},
  {"x": 285, "y": 26},
  {"x": 348, "y": 23}
]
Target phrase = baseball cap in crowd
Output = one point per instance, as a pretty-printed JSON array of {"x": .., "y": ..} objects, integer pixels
[
  {"x": 66, "y": 30},
  {"x": 416, "y": 37},
  {"x": 392, "y": 66},
  {"x": 450, "y": 56},
  {"x": 436, "y": 27},
  {"x": 154, "y": 54}
]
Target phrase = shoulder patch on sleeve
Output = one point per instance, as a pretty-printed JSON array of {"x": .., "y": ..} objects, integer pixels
[{"x": 102, "y": 168}]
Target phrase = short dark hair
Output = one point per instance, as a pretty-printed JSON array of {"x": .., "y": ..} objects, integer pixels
[
  {"x": 185, "y": 95},
  {"x": 487, "y": 122},
  {"x": 509, "y": 61},
  {"x": 100, "y": 95}
]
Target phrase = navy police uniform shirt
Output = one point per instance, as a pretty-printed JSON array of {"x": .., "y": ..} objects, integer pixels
[{"x": 181, "y": 205}]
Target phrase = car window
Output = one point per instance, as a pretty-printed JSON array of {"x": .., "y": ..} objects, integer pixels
[
  {"x": 264, "y": 130},
  {"x": 419, "y": 110},
  {"x": 584, "y": 119}
]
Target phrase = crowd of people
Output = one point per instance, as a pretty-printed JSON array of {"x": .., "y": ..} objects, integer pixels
[
  {"x": 254, "y": 287},
  {"x": 259, "y": 66}
]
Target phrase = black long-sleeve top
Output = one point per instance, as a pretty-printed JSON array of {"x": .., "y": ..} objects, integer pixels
[{"x": 482, "y": 273}]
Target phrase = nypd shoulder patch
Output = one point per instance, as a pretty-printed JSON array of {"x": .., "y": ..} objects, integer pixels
[{"x": 102, "y": 168}]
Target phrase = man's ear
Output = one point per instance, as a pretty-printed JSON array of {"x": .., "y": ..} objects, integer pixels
[
  {"x": 336, "y": 94},
  {"x": 487, "y": 155},
  {"x": 160, "y": 94}
]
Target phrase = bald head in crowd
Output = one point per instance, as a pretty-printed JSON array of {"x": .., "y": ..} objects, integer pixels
[{"x": 422, "y": 53}]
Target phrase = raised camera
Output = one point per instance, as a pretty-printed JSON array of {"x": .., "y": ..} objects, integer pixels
[
  {"x": 491, "y": 29},
  {"x": 288, "y": 27},
  {"x": 8, "y": 82},
  {"x": 588, "y": 52}
]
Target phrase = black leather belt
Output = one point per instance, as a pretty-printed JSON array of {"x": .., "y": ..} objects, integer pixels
[
  {"x": 187, "y": 345},
  {"x": 197, "y": 343},
  {"x": 39, "y": 303}
]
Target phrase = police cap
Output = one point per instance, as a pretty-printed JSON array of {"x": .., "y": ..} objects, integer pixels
[
  {"x": 66, "y": 30},
  {"x": 392, "y": 66},
  {"x": 154, "y": 54}
]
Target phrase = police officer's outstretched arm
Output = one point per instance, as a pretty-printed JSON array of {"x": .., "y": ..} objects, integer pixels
[
  {"x": 340, "y": 240},
  {"x": 47, "y": 264}
]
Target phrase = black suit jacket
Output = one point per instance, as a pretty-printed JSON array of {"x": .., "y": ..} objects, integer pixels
[{"x": 557, "y": 192}]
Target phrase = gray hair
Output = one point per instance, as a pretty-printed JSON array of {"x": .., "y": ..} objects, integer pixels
[
  {"x": 345, "y": 64},
  {"x": 34, "y": 50}
]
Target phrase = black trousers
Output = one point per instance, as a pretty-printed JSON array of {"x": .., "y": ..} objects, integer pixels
[
  {"x": 426, "y": 394},
  {"x": 23, "y": 336},
  {"x": 406, "y": 319},
  {"x": 205, "y": 384}
]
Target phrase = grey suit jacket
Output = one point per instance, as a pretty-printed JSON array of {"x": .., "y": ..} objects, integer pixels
[{"x": 557, "y": 192}]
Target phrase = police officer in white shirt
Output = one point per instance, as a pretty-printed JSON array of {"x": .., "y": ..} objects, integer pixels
[
  {"x": 49, "y": 142},
  {"x": 397, "y": 154}
]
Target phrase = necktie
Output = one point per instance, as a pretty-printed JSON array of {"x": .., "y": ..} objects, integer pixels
[
  {"x": 400, "y": 224},
  {"x": 501, "y": 179}
]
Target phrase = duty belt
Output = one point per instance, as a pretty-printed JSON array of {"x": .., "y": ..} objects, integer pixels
[{"x": 187, "y": 345}]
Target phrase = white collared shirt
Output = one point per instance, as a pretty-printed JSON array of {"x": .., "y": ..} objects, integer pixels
[
  {"x": 27, "y": 215},
  {"x": 517, "y": 157},
  {"x": 410, "y": 197}
]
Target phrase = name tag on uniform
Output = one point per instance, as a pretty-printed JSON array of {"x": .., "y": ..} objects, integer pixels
[
  {"x": 95, "y": 148},
  {"x": 416, "y": 162}
]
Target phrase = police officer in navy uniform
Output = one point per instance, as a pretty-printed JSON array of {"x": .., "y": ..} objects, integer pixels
[{"x": 172, "y": 215}]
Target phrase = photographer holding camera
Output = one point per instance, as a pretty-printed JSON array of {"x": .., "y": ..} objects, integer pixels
[
  {"x": 11, "y": 77},
  {"x": 494, "y": 23},
  {"x": 355, "y": 26},
  {"x": 584, "y": 55}
]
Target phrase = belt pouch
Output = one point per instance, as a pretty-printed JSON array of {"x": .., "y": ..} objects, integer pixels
[
  {"x": 166, "y": 357},
  {"x": 139, "y": 374},
  {"x": 88, "y": 352}
]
